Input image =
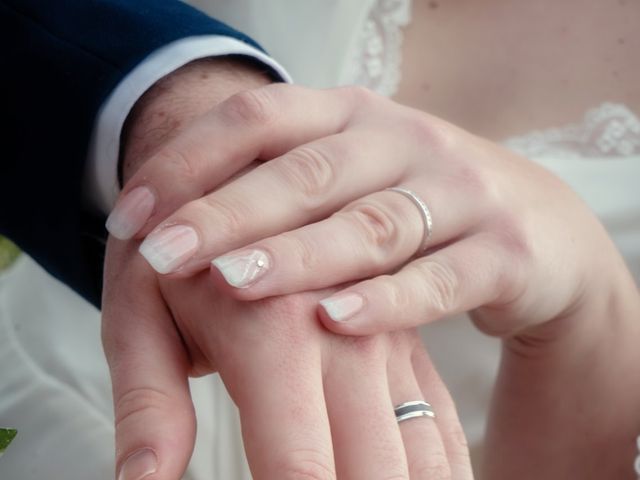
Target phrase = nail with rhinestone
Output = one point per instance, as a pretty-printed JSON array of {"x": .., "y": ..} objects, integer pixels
[{"x": 242, "y": 269}]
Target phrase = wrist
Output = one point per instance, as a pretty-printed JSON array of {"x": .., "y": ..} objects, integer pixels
[
  {"x": 170, "y": 105},
  {"x": 606, "y": 307},
  {"x": 571, "y": 402}
]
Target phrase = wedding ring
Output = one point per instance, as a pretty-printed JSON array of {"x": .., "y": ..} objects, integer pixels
[
  {"x": 424, "y": 211},
  {"x": 413, "y": 409}
]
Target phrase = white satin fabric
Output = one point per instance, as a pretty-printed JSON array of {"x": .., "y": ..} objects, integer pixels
[
  {"x": 54, "y": 383},
  {"x": 55, "y": 389},
  {"x": 314, "y": 40}
]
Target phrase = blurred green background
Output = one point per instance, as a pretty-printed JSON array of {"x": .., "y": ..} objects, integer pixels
[
  {"x": 8, "y": 252},
  {"x": 6, "y": 436}
]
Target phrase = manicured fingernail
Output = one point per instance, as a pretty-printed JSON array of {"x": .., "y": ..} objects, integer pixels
[
  {"x": 168, "y": 249},
  {"x": 131, "y": 213},
  {"x": 342, "y": 307},
  {"x": 242, "y": 269},
  {"x": 140, "y": 464}
]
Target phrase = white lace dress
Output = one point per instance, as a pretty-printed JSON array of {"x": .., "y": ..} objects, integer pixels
[{"x": 54, "y": 386}]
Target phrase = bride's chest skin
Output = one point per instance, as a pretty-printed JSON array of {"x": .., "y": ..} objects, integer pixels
[{"x": 504, "y": 67}]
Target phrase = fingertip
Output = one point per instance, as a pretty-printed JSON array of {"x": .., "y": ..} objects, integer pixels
[
  {"x": 155, "y": 435},
  {"x": 341, "y": 313},
  {"x": 242, "y": 269},
  {"x": 170, "y": 248},
  {"x": 235, "y": 275},
  {"x": 221, "y": 285},
  {"x": 343, "y": 307},
  {"x": 139, "y": 464},
  {"x": 131, "y": 213}
]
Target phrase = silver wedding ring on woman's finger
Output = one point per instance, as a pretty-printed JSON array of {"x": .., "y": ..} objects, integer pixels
[
  {"x": 424, "y": 211},
  {"x": 413, "y": 409}
]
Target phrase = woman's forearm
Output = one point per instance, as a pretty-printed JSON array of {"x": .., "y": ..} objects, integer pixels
[{"x": 569, "y": 406}]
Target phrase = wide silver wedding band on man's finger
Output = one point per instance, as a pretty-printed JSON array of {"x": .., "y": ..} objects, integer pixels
[
  {"x": 424, "y": 211},
  {"x": 413, "y": 409}
]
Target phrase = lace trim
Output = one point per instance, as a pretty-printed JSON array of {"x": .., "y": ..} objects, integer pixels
[
  {"x": 379, "y": 52},
  {"x": 636, "y": 464},
  {"x": 610, "y": 130}
]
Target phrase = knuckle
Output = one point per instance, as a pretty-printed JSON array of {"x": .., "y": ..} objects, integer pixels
[
  {"x": 137, "y": 400},
  {"x": 436, "y": 467},
  {"x": 377, "y": 226},
  {"x": 308, "y": 170},
  {"x": 400, "y": 299},
  {"x": 442, "y": 285},
  {"x": 512, "y": 235},
  {"x": 474, "y": 182},
  {"x": 178, "y": 164},
  {"x": 230, "y": 218},
  {"x": 358, "y": 94},
  {"x": 516, "y": 253},
  {"x": 306, "y": 464},
  {"x": 433, "y": 134},
  {"x": 306, "y": 256},
  {"x": 250, "y": 107},
  {"x": 369, "y": 349}
]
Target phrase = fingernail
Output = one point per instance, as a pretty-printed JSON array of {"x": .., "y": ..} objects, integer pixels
[
  {"x": 169, "y": 248},
  {"x": 342, "y": 307},
  {"x": 131, "y": 213},
  {"x": 241, "y": 269},
  {"x": 140, "y": 464}
]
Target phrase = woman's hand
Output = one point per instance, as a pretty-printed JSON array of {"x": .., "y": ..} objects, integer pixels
[
  {"x": 312, "y": 404},
  {"x": 509, "y": 239}
]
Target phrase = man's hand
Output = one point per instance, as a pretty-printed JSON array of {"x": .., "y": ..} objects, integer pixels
[{"x": 313, "y": 404}]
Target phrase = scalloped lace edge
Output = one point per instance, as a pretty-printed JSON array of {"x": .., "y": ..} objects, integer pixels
[
  {"x": 378, "y": 56},
  {"x": 610, "y": 130}
]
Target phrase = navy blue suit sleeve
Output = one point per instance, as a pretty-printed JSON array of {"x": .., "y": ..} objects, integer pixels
[{"x": 61, "y": 59}]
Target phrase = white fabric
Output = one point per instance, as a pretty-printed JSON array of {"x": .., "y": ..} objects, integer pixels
[
  {"x": 102, "y": 169},
  {"x": 322, "y": 43},
  {"x": 55, "y": 389},
  {"x": 325, "y": 43}
]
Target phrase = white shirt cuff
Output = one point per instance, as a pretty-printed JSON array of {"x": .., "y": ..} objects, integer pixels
[{"x": 101, "y": 178}]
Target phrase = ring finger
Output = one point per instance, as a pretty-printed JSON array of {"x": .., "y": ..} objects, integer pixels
[
  {"x": 366, "y": 440},
  {"x": 371, "y": 236},
  {"x": 423, "y": 443}
]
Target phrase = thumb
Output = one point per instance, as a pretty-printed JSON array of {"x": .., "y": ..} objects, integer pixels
[{"x": 154, "y": 416}]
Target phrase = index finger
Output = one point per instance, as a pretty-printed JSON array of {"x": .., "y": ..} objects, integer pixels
[{"x": 255, "y": 124}]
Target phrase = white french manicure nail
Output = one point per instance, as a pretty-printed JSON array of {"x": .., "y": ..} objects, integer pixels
[
  {"x": 342, "y": 307},
  {"x": 131, "y": 213},
  {"x": 242, "y": 269},
  {"x": 168, "y": 249},
  {"x": 139, "y": 465}
]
